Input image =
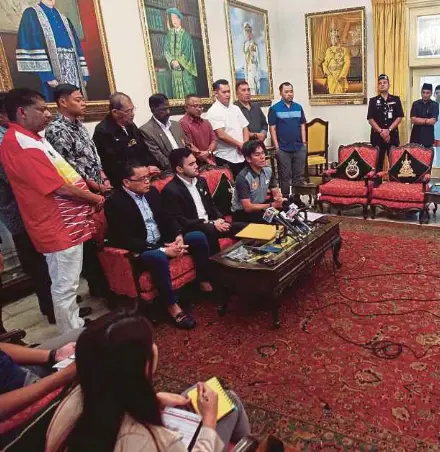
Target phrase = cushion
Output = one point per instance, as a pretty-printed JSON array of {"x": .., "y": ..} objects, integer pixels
[
  {"x": 395, "y": 191},
  {"x": 354, "y": 168},
  {"x": 342, "y": 187},
  {"x": 408, "y": 169},
  {"x": 222, "y": 195}
]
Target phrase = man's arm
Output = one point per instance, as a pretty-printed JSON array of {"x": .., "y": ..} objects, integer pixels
[
  {"x": 13, "y": 402},
  {"x": 272, "y": 120},
  {"x": 303, "y": 133},
  {"x": 72, "y": 191},
  {"x": 155, "y": 150},
  {"x": 264, "y": 125},
  {"x": 212, "y": 141},
  {"x": 222, "y": 135},
  {"x": 245, "y": 135},
  {"x": 375, "y": 126},
  {"x": 25, "y": 355}
]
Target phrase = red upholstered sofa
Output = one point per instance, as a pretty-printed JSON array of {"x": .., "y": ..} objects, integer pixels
[
  {"x": 342, "y": 193},
  {"x": 119, "y": 265},
  {"x": 397, "y": 196}
]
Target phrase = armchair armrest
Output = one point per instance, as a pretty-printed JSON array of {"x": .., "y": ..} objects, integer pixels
[
  {"x": 329, "y": 172},
  {"x": 370, "y": 175},
  {"x": 426, "y": 178},
  {"x": 13, "y": 336},
  {"x": 381, "y": 174}
]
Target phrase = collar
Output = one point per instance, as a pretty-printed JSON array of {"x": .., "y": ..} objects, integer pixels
[
  {"x": 189, "y": 118},
  {"x": 254, "y": 173},
  {"x": 188, "y": 184},
  {"x": 161, "y": 125},
  {"x": 239, "y": 104},
  {"x": 19, "y": 128},
  {"x": 134, "y": 195},
  {"x": 75, "y": 122},
  {"x": 46, "y": 8},
  {"x": 222, "y": 105},
  {"x": 285, "y": 104}
]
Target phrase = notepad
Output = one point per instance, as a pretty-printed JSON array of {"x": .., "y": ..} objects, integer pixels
[
  {"x": 225, "y": 404},
  {"x": 258, "y": 232},
  {"x": 184, "y": 422}
]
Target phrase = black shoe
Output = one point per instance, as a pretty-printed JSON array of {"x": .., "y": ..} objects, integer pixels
[
  {"x": 51, "y": 319},
  {"x": 79, "y": 299},
  {"x": 84, "y": 312},
  {"x": 184, "y": 321},
  {"x": 87, "y": 321}
]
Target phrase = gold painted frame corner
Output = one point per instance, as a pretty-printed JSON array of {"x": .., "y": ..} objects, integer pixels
[
  {"x": 96, "y": 110},
  {"x": 206, "y": 50},
  {"x": 336, "y": 99},
  {"x": 256, "y": 98}
]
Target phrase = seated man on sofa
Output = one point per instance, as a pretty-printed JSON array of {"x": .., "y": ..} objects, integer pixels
[
  {"x": 252, "y": 185},
  {"x": 26, "y": 374},
  {"x": 137, "y": 222},
  {"x": 189, "y": 204}
]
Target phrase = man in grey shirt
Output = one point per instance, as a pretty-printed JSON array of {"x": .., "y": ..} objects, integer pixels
[{"x": 252, "y": 112}]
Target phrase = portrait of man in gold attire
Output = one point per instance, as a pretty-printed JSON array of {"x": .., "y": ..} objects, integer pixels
[{"x": 336, "y": 53}]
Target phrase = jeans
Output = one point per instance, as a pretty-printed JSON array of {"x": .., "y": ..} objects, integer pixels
[
  {"x": 291, "y": 168},
  {"x": 64, "y": 270},
  {"x": 157, "y": 263}
]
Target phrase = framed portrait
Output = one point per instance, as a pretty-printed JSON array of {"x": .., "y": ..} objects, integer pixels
[
  {"x": 424, "y": 35},
  {"x": 43, "y": 44},
  {"x": 249, "y": 48},
  {"x": 336, "y": 57},
  {"x": 177, "y": 46}
]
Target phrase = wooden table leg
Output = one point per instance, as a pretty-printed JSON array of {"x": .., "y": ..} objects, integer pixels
[
  {"x": 336, "y": 248},
  {"x": 275, "y": 305}
]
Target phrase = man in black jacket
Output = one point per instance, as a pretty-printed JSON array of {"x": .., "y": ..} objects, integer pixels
[
  {"x": 118, "y": 139},
  {"x": 189, "y": 204},
  {"x": 137, "y": 222}
]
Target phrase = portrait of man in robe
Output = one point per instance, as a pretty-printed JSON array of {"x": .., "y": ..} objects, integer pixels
[
  {"x": 177, "y": 45},
  {"x": 48, "y": 42}
]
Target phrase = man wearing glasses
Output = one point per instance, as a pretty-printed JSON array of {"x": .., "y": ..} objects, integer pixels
[
  {"x": 118, "y": 139},
  {"x": 199, "y": 134},
  {"x": 137, "y": 222}
]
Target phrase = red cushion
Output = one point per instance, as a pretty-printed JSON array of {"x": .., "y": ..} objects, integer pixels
[
  {"x": 213, "y": 177},
  {"x": 425, "y": 155},
  {"x": 339, "y": 200},
  {"x": 160, "y": 183},
  {"x": 396, "y": 191},
  {"x": 366, "y": 151},
  {"x": 345, "y": 188}
]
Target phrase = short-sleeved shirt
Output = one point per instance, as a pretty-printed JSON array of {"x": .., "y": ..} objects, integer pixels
[
  {"x": 232, "y": 120},
  {"x": 198, "y": 131},
  {"x": 35, "y": 171},
  {"x": 423, "y": 134},
  {"x": 384, "y": 112},
  {"x": 255, "y": 116},
  {"x": 12, "y": 376},
  {"x": 252, "y": 185},
  {"x": 72, "y": 141},
  {"x": 288, "y": 120}
]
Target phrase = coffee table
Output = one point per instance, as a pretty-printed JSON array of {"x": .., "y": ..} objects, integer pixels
[{"x": 257, "y": 280}]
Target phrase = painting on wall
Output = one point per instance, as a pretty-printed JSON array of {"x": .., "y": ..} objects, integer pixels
[
  {"x": 177, "y": 45},
  {"x": 43, "y": 44},
  {"x": 428, "y": 36},
  {"x": 249, "y": 48},
  {"x": 336, "y": 57}
]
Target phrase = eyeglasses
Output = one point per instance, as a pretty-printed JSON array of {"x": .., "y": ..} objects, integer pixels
[
  {"x": 129, "y": 111},
  {"x": 140, "y": 179}
]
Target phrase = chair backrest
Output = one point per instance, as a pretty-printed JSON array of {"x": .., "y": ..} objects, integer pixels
[
  {"x": 317, "y": 136},
  {"x": 425, "y": 155},
  {"x": 369, "y": 153}
]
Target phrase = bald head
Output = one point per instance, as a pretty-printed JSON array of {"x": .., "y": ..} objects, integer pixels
[{"x": 121, "y": 108}]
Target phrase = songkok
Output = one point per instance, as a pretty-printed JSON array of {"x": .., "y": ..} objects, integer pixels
[
  {"x": 247, "y": 27},
  {"x": 427, "y": 86},
  {"x": 383, "y": 77},
  {"x": 175, "y": 11}
]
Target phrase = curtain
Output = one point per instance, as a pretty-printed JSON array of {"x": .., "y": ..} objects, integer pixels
[{"x": 391, "y": 48}]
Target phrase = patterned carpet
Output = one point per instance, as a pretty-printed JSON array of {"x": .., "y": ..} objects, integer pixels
[{"x": 356, "y": 364}]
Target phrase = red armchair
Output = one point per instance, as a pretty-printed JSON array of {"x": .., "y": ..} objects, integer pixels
[
  {"x": 349, "y": 184},
  {"x": 119, "y": 265},
  {"x": 409, "y": 173}
]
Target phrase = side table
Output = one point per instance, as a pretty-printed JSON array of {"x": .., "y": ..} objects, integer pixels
[{"x": 309, "y": 189}]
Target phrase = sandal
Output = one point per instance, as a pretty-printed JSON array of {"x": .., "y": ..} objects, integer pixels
[{"x": 184, "y": 321}]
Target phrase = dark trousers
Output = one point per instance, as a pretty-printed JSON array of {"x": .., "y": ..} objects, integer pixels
[
  {"x": 157, "y": 263},
  {"x": 384, "y": 150},
  {"x": 92, "y": 270},
  {"x": 248, "y": 217},
  {"x": 234, "y": 167},
  {"x": 291, "y": 168},
  {"x": 34, "y": 264},
  {"x": 212, "y": 235}
]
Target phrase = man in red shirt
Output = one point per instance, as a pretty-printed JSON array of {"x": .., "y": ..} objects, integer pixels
[
  {"x": 199, "y": 135},
  {"x": 53, "y": 199}
]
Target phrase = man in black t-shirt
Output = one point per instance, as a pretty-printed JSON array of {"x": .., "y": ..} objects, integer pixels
[
  {"x": 385, "y": 113},
  {"x": 424, "y": 114}
]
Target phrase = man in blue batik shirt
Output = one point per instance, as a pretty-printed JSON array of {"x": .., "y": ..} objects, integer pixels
[
  {"x": 287, "y": 125},
  {"x": 48, "y": 46}
]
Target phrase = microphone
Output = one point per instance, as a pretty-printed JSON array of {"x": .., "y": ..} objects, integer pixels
[{"x": 271, "y": 214}]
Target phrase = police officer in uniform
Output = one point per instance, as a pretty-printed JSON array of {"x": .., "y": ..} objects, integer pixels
[{"x": 385, "y": 113}]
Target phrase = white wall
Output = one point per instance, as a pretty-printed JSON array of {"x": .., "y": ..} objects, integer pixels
[{"x": 347, "y": 123}]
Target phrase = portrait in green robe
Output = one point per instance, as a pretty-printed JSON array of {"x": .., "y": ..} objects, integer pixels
[{"x": 180, "y": 56}]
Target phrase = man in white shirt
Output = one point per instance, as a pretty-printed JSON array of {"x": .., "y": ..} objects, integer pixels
[
  {"x": 189, "y": 204},
  {"x": 160, "y": 134},
  {"x": 230, "y": 127}
]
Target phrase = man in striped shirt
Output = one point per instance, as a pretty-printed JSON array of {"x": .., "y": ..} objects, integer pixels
[{"x": 53, "y": 199}]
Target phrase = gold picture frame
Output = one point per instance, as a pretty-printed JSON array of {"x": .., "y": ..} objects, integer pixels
[
  {"x": 195, "y": 75},
  {"x": 337, "y": 57},
  {"x": 249, "y": 48},
  {"x": 96, "y": 108}
]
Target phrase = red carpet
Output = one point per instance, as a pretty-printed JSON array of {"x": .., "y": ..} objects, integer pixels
[{"x": 356, "y": 364}]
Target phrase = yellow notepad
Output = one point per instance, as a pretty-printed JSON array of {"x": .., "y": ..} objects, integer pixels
[
  {"x": 225, "y": 404},
  {"x": 258, "y": 232}
]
